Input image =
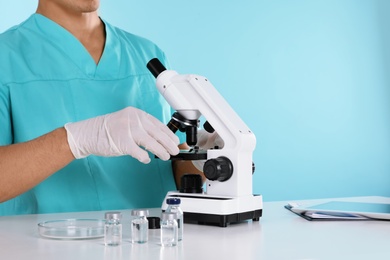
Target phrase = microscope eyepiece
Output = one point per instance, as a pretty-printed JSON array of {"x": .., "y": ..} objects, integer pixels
[{"x": 155, "y": 67}]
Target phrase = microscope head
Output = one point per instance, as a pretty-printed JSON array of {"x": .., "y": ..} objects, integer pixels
[{"x": 188, "y": 124}]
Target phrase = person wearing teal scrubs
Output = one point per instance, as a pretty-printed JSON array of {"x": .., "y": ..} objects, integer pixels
[{"x": 65, "y": 64}]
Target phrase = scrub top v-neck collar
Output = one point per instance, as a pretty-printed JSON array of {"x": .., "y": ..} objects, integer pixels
[{"x": 75, "y": 51}]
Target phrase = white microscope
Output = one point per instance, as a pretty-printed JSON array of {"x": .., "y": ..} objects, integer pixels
[{"x": 228, "y": 197}]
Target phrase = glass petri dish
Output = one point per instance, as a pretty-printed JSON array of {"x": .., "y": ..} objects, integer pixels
[{"x": 72, "y": 229}]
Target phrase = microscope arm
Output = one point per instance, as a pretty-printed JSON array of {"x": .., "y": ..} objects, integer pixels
[{"x": 192, "y": 96}]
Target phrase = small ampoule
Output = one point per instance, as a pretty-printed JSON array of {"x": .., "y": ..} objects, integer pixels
[
  {"x": 113, "y": 229},
  {"x": 139, "y": 226},
  {"x": 174, "y": 207},
  {"x": 169, "y": 229}
]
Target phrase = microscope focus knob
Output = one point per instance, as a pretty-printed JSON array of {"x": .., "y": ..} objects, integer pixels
[{"x": 218, "y": 169}]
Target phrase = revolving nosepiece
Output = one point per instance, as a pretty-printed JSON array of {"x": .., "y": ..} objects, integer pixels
[{"x": 179, "y": 122}]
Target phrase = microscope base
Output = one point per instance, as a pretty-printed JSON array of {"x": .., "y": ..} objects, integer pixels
[
  {"x": 204, "y": 209},
  {"x": 221, "y": 220}
]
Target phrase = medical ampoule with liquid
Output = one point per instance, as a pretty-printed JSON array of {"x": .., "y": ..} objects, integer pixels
[
  {"x": 168, "y": 229},
  {"x": 113, "y": 229},
  {"x": 139, "y": 226}
]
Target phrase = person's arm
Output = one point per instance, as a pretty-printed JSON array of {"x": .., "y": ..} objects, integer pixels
[
  {"x": 129, "y": 131},
  {"x": 24, "y": 165}
]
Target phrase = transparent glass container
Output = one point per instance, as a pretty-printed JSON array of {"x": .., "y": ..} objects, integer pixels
[
  {"x": 113, "y": 229},
  {"x": 169, "y": 229},
  {"x": 139, "y": 226},
  {"x": 72, "y": 229},
  {"x": 174, "y": 207}
]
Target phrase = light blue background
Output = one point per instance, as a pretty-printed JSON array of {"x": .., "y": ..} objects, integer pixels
[{"x": 310, "y": 78}]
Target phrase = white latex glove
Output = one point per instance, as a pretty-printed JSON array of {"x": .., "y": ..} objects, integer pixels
[
  {"x": 122, "y": 133},
  {"x": 207, "y": 141}
]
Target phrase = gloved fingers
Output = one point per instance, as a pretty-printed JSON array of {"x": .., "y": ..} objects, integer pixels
[
  {"x": 123, "y": 143},
  {"x": 138, "y": 128},
  {"x": 152, "y": 145},
  {"x": 218, "y": 140},
  {"x": 162, "y": 134},
  {"x": 140, "y": 154},
  {"x": 208, "y": 140},
  {"x": 120, "y": 133},
  {"x": 203, "y": 137},
  {"x": 165, "y": 142},
  {"x": 163, "y": 128}
]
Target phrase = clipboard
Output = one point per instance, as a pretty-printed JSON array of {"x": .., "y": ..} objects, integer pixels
[{"x": 341, "y": 210}]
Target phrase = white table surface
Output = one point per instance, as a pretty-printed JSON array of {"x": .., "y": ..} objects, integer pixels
[{"x": 279, "y": 234}]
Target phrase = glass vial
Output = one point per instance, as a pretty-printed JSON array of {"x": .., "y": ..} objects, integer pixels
[
  {"x": 169, "y": 229},
  {"x": 139, "y": 226},
  {"x": 113, "y": 229},
  {"x": 174, "y": 207}
]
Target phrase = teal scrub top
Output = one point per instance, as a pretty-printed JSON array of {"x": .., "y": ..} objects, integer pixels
[{"x": 47, "y": 78}]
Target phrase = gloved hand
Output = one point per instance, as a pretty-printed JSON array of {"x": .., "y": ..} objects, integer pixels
[
  {"x": 122, "y": 133},
  {"x": 207, "y": 141}
]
